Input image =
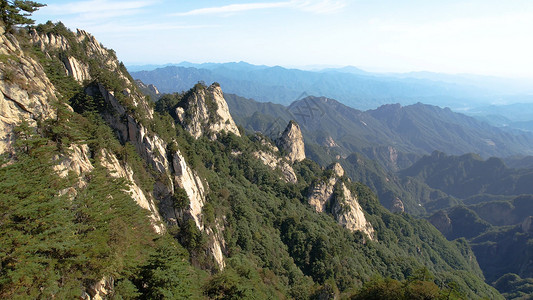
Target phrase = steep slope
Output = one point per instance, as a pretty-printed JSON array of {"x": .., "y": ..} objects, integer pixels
[
  {"x": 331, "y": 195},
  {"x": 82, "y": 193},
  {"x": 204, "y": 111}
]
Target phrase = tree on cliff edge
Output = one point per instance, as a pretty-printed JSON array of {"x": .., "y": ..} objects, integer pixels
[{"x": 17, "y": 12}]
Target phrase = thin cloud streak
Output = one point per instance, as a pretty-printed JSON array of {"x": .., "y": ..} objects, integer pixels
[
  {"x": 232, "y": 8},
  {"x": 322, "y": 7},
  {"x": 93, "y": 6},
  {"x": 318, "y": 7}
]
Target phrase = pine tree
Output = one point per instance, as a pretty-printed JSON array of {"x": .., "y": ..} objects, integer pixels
[{"x": 17, "y": 12}]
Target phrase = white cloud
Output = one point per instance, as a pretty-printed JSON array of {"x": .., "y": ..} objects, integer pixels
[
  {"x": 235, "y": 8},
  {"x": 314, "y": 6},
  {"x": 321, "y": 7},
  {"x": 96, "y": 8}
]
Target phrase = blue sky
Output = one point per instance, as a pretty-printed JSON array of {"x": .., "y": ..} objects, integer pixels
[{"x": 477, "y": 36}]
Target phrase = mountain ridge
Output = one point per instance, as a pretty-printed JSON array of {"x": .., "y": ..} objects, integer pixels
[{"x": 232, "y": 226}]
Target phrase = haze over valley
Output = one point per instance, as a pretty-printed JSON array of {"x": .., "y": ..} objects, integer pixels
[{"x": 291, "y": 149}]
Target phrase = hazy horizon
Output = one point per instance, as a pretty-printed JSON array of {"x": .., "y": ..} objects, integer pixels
[{"x": 452, "y": 37}]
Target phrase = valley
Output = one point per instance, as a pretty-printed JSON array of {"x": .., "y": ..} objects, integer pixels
[{"x": 242, "y": 181}]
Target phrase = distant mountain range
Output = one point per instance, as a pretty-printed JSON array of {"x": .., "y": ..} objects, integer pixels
[
  {"x": 386, "y": 133},
  {"x": 349, "y": 85}
]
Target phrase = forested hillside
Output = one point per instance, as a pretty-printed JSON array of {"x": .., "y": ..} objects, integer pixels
[{"x": 106, "y": 194}]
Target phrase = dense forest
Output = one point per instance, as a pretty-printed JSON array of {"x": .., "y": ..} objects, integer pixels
[{"x": 95, "y": 202}]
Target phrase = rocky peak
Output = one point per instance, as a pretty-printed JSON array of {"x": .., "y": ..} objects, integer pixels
[
  {"x": 331, "y": 195},
  {"x": 349, "y": 213},
  {"x": 205, "y": 111},
  {"x": 337, "y": 169},
  {"x": 292, "y": 142},
  {"x": 148, "y": 89}
]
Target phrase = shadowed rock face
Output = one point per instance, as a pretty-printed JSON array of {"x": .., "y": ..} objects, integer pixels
[{"x": 292, "y": 142}]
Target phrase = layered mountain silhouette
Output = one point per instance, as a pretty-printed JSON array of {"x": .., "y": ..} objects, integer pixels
[
  {"x": 387, "y": 133},
  {"x": 349, "y": 85}
]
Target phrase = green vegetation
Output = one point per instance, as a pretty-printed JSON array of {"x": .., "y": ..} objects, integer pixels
[
  {"x": 17, "y": 12},
  {"x": 61, "y": 235}
]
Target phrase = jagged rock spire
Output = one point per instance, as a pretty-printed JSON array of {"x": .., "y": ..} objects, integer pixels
[
  {"x": 205, "y": 111},
  {"x": 332, "y": 195},
  {"x": 292, "y": 142}
]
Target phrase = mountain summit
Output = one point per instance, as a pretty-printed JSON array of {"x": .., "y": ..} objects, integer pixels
[
  {"x": 204, "y": 110},
  {"x": 292, "y": 142}
]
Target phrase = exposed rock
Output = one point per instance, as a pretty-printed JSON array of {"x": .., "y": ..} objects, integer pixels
[
  {"x": 188, "y": 180},
  {"x": 397, "y": 206},
  {"x": 150, "y": 147},
  {"x": 292, "y": 142},
  {"x": 333, "y": 196},
  {"x": 147, "y": 88},
  {"x": 154, "y": 89},
  {"x": 349, "y": 213},
  {"x": 329, "y": 142},
  {"x": 321, "y": 194},
  {"x": 274, "y": 162},
  {"x": 26, "y": 93},
  {"x": 217, "y": 244},
  {"x": 49, "y": 41},
  {"x": 205, "y": 111},
  {"x": 76, "y": 161},
  {"x": 122, "y": 119},
  {"x": 154, "y": 150},
  {"x": 337, "y": 169},
  {"x": 109, "y": 161},
  {"x": 101, "y": 290},
  {"x": 74, "y": 68}
]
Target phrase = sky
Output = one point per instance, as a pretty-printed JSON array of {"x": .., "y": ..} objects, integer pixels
[{"x": 449, "y": 36}]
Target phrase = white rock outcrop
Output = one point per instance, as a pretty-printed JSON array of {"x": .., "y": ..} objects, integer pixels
[
  {"x": 274, "y": 162},
  {"x": 194, "y": 187},
  {"x": 331, "y": 195},
  {"x": 26, "y": 93},
  {"x": 109, "y": 161},
  {"x": 349, "y": 213},
  {"x": 292, "y": 142},
  {"x": 205, "y": 111},
  {"x": 321, "y": 194},
  {"x": 77, "y": 70},
  {"x": 122, "y": 118},
  {"x": 188, "y": 180},
  {"x": 76, "y": 161}
]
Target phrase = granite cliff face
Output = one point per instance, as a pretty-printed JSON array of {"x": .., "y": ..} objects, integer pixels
[
  {"x": 29, "y": 96},
  {"x": 26, "y": 93},
  {"x": 292, "y": 142},
  {"x": 333, "y": 196},
  {"x": 204, "y": 111}
]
